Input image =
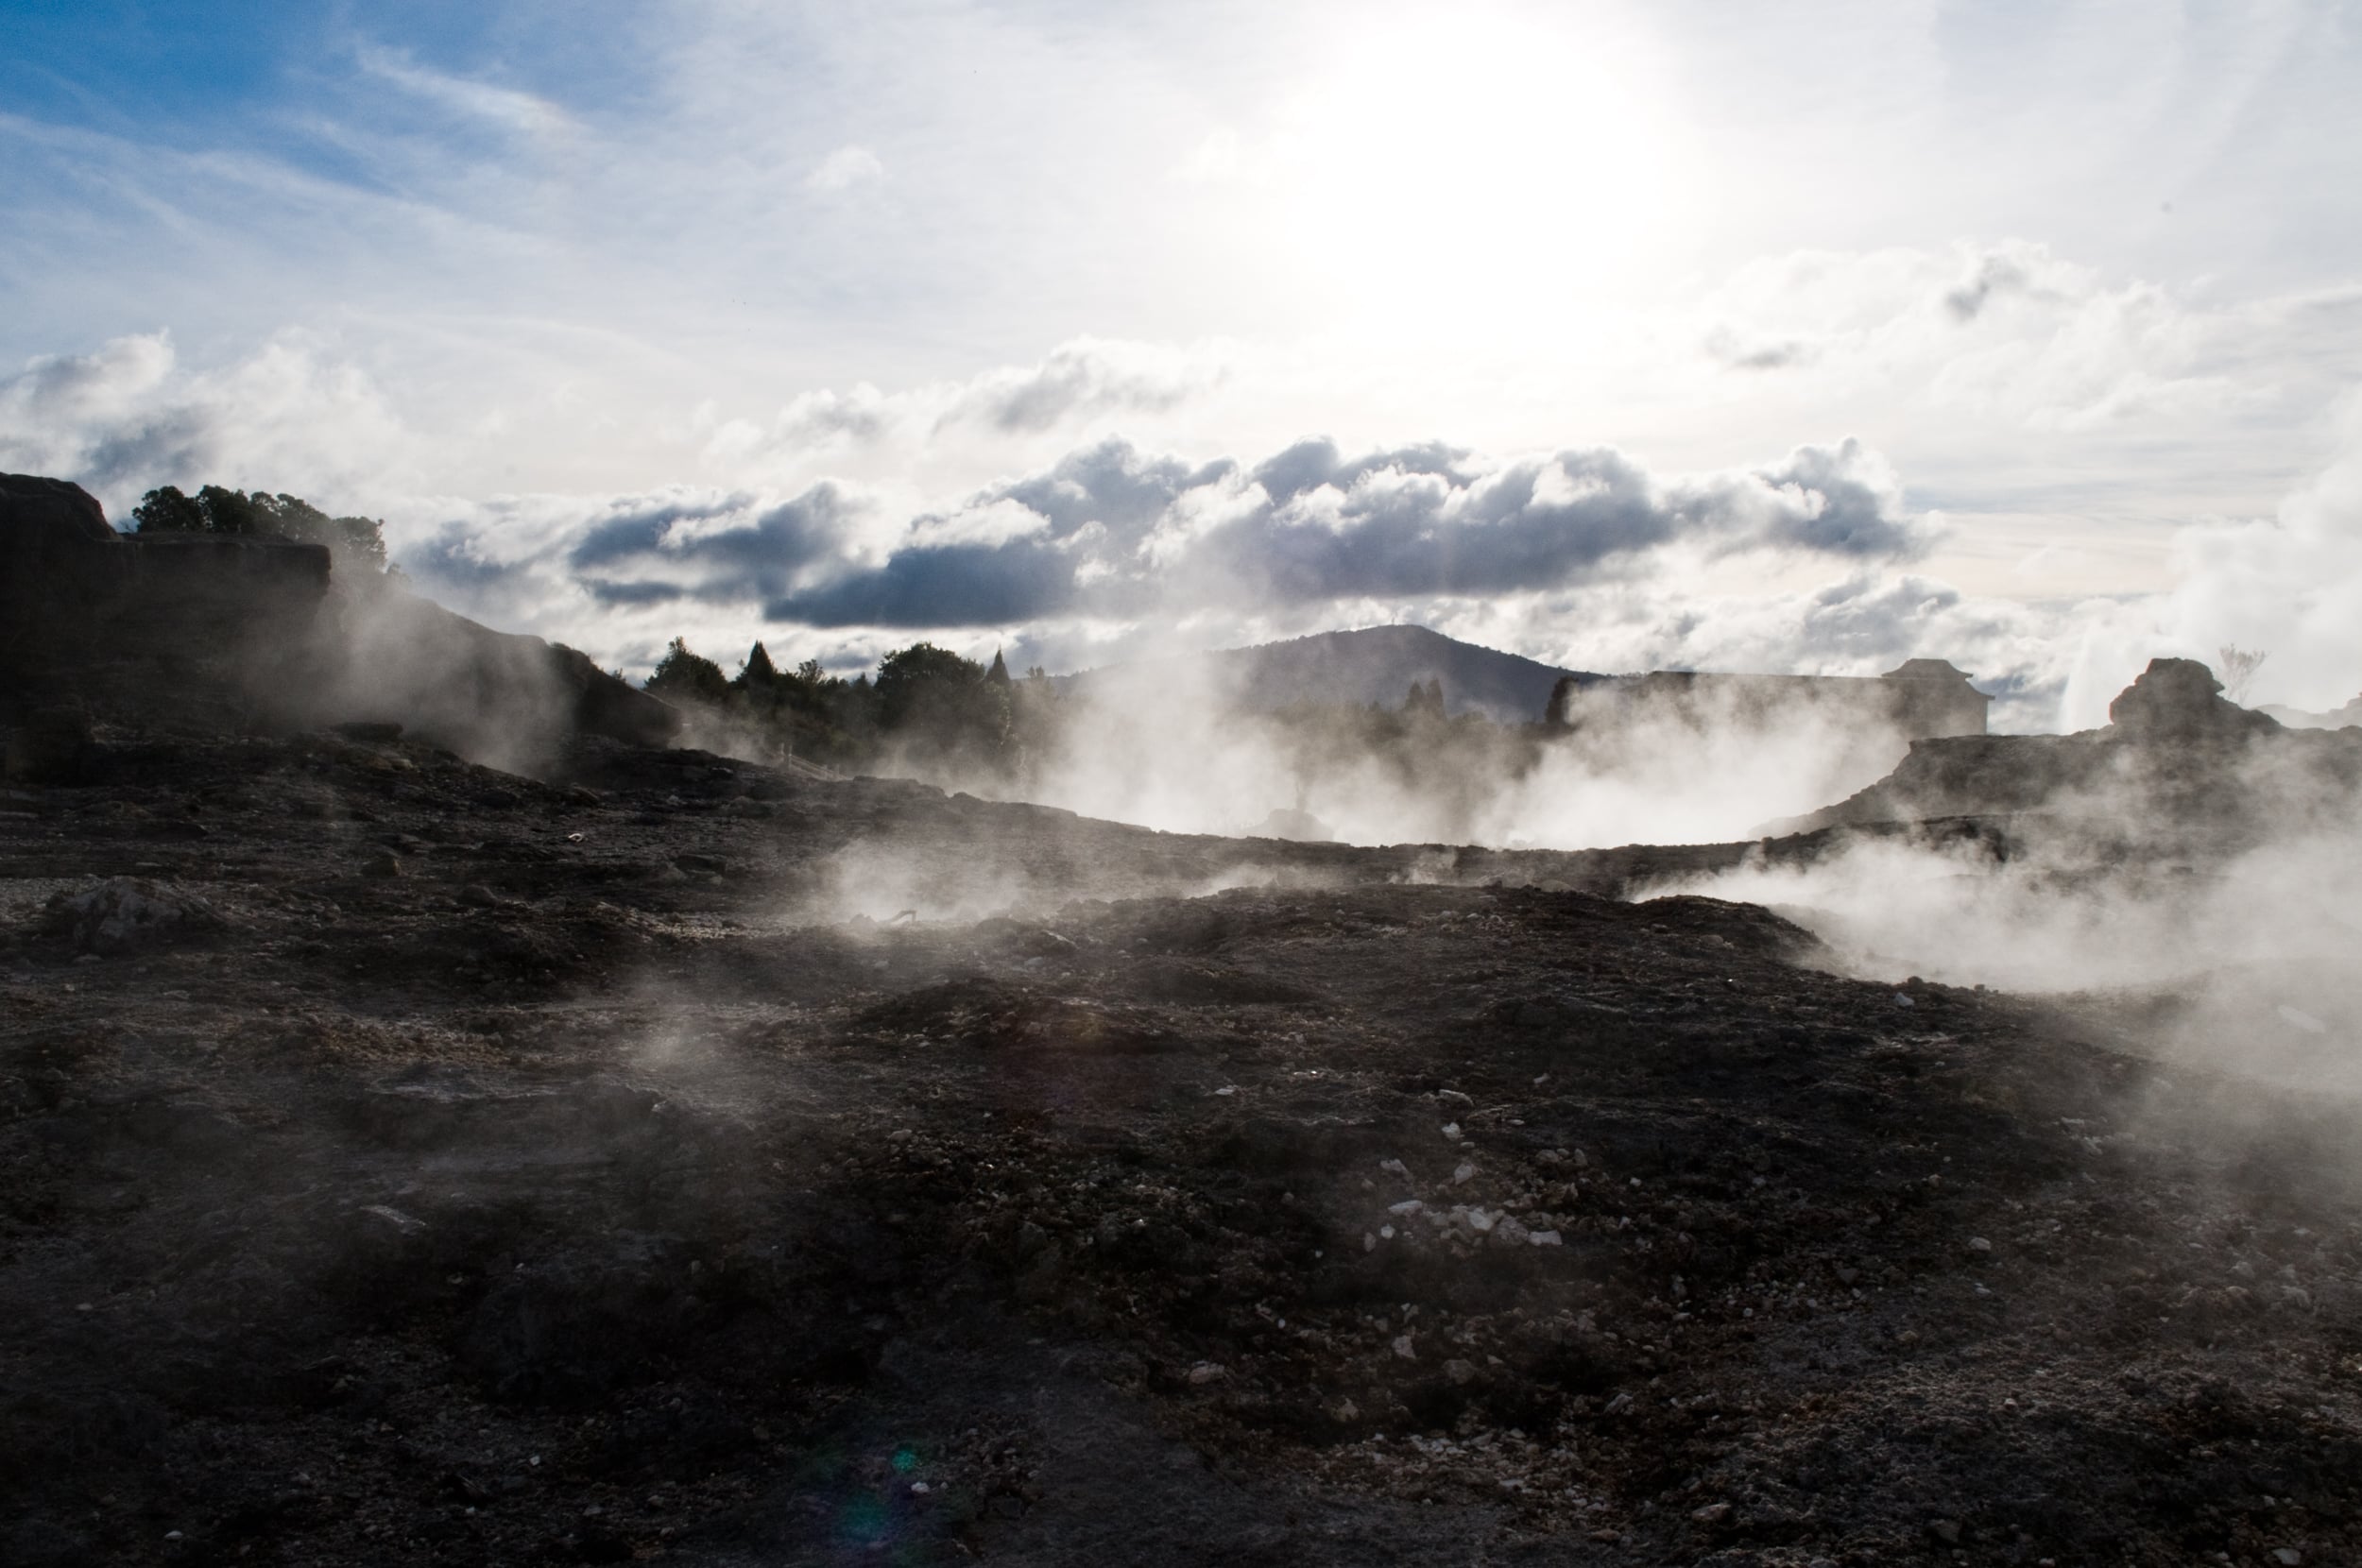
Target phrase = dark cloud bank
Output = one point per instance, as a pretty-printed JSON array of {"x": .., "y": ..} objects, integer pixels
[{"x": 1111, "y": 530}]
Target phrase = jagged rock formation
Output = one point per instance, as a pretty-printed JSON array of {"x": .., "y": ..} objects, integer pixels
[
  {"x": 244, "y": 630},
  {"x": 2179, "y": 762}
]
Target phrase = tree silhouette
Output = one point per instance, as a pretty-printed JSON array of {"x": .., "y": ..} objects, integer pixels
[
  {"x": 354, "y": 543},
  {"x": 759, "y": 675},
  {"x": 681, "y": 676},
  {"x": 2238, "y": 670}
]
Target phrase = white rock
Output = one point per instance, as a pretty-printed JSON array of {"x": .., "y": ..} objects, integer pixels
[
  {"x": 1403, "y": 1348},
  {"x": 1464, "y": 1174},
  {"x": 1451, "y": 1132},
  {"x": 1408, "y": 1206},
  {"x": 1542, "y": 1239},
  {"x": 1208, "y": 1371}
]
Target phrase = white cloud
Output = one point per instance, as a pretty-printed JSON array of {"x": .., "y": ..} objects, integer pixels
[
  {"x": 846, "y": 167},
  {"x": 291, "y": 416},
  {"x": 488, "y": 102}
]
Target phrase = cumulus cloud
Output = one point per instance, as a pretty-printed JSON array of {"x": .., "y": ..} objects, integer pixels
[
  {"x": 129, "y": 417},
  {"x": 1112, "y": 530}
]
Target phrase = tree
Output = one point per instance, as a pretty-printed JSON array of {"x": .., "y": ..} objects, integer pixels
[
  {"x": 938, "y": 701},
  {"x": 355, "y": 544},
  {"x": 165, "y": 510},
  {"x": 2238, "y": 670},
  {"x": 921, "y": 678},
  {"x": 759, "y": 674},
  {"x": 998, "y": 673},
  {"x": 683, "y": 676}
]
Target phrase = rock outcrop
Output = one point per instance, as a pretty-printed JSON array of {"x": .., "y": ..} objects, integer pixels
[
  {"x": 2177, "y": 702},
  {"x": 2179, "y": 763},
  {"x": 244, "y": 630}
]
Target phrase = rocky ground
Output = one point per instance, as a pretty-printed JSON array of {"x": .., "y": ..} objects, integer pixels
[{"x": 406, "y": 1162}]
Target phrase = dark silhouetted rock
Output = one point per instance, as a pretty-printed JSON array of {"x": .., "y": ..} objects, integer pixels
[
  {"x": 2180, "y": 764},
  {"x": 2177, "y": 702},
  {"x": 242, "y": 629}
]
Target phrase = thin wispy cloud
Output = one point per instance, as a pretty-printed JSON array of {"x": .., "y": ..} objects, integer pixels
[{"x": 504, "y": 107}]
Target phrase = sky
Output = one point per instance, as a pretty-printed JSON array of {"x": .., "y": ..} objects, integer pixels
[{"x": 1807, "y": 337}]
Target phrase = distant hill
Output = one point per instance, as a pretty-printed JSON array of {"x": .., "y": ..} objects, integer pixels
[{"x": 1373, "y": 665}]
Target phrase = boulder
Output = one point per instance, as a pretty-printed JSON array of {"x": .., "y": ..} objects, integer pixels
[
  {"x": 2179, "y": 702},
  {"x": 125, "y": 915}
]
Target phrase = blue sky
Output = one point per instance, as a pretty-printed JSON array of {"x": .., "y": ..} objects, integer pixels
[{"x": 828, "y": 301}]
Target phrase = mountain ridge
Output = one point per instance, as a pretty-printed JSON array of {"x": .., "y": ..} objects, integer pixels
[{"x": 1362, "y": 665}]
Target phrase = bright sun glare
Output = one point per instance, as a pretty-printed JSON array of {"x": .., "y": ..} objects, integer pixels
[{"x": 1468, "y": 170}]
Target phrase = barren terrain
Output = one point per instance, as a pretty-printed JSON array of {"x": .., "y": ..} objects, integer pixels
[{"x": 430, "y": 1164}]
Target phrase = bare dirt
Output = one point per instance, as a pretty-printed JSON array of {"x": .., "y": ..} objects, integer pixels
[{"x": 429, "y": 1165}]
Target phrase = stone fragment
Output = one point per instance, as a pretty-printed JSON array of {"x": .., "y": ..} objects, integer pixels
[
  {"x": 1711, "y": 1513},
  {"x": 124, "y": 914}
]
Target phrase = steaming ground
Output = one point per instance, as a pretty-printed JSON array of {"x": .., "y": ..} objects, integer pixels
[
  {"x": 1186, "y": 754},
  {"x": 687, "y": 1161}
]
